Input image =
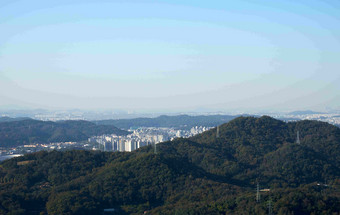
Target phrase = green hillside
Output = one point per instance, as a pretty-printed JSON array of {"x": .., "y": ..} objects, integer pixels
[
  {"x": 15, "y": 133},
  {"x": 205, "y": 174}
]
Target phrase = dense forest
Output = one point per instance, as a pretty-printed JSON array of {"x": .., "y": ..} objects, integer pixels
[
  {"x": 179, "y": 122},
  {"x": 27, "y": 131},
  {"x": 211, "y": 173}
]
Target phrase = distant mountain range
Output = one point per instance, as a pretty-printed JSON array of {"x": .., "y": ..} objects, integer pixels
[
  {"x": 216, "y": 172},
  {"x": 9, "y": 119},
  {"x": 179, "y": 121},
  {"x": 21, "y": 131},
  {"x": 305, "y": 112}
]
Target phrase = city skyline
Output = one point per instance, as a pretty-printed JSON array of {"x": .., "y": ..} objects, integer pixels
[{"x": 170, "y": 55}]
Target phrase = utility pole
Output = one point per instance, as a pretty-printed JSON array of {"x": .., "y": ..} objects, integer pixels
[
  {"x": 218, "y": 132},
  {"x": 258, "y": 197},
  {"x": 298, "y": 138},
  {"x": 270, "y": 209}
]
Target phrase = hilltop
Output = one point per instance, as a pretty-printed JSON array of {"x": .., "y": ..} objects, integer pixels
[{"x": 205, "y": 174}]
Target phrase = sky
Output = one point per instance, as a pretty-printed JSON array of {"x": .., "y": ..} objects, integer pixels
[{"x": 246, "y": 55}]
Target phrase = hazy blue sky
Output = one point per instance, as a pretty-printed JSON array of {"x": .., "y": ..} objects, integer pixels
[{"x": 170, "y": 55}]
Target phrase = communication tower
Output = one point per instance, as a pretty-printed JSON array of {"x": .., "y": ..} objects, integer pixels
[
  {"x": 270, "y": 208},
  {"x": 258, "y": 197},
  {"x": 298, "y": 137}
]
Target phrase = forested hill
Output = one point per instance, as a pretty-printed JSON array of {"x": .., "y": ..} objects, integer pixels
[
  {"x": 14, "y": 133},
  {"x": 180, "y": 121},
  {"x": 206, "y": 174},
  {"x": 266, "y": 145}
]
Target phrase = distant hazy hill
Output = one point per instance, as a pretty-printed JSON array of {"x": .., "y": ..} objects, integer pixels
[
  {"x": 9, "y": 119},
  {"x": 180, "y": 121},
  {"x": 14, "y": 133},
  {"x": 205, "y": 174},
  {"x": 304, "y": 112}
]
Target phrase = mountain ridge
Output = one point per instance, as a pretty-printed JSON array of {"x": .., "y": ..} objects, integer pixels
[{"x": 179, "y": 121}]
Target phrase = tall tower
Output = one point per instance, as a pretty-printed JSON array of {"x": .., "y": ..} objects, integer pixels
[
  {"x": 258, "y": 197},
  {"x": 270, "y": 208},
  {"x": 298, "y": 137},
  {"x": 218, "y": 132},
  {"x": 155, "y": 148}
]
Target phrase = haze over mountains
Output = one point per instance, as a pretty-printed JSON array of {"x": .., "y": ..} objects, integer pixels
[
  {"x": 9, "y": 119},
  {"x": 205, "y": 174},
  {"x": 180, "y": 121},
  {"x": 250, "y": 97}
]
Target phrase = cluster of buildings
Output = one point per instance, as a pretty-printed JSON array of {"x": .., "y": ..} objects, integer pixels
[
  {"x": 138, "y": 138},
  {"x": 142, "y": 137},
  {"x": 331, "y": 118}
]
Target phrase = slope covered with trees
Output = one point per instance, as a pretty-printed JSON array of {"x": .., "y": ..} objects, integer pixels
[
  {"x": 15, "y": 133},
  {"x": 206, "y": 174}
]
